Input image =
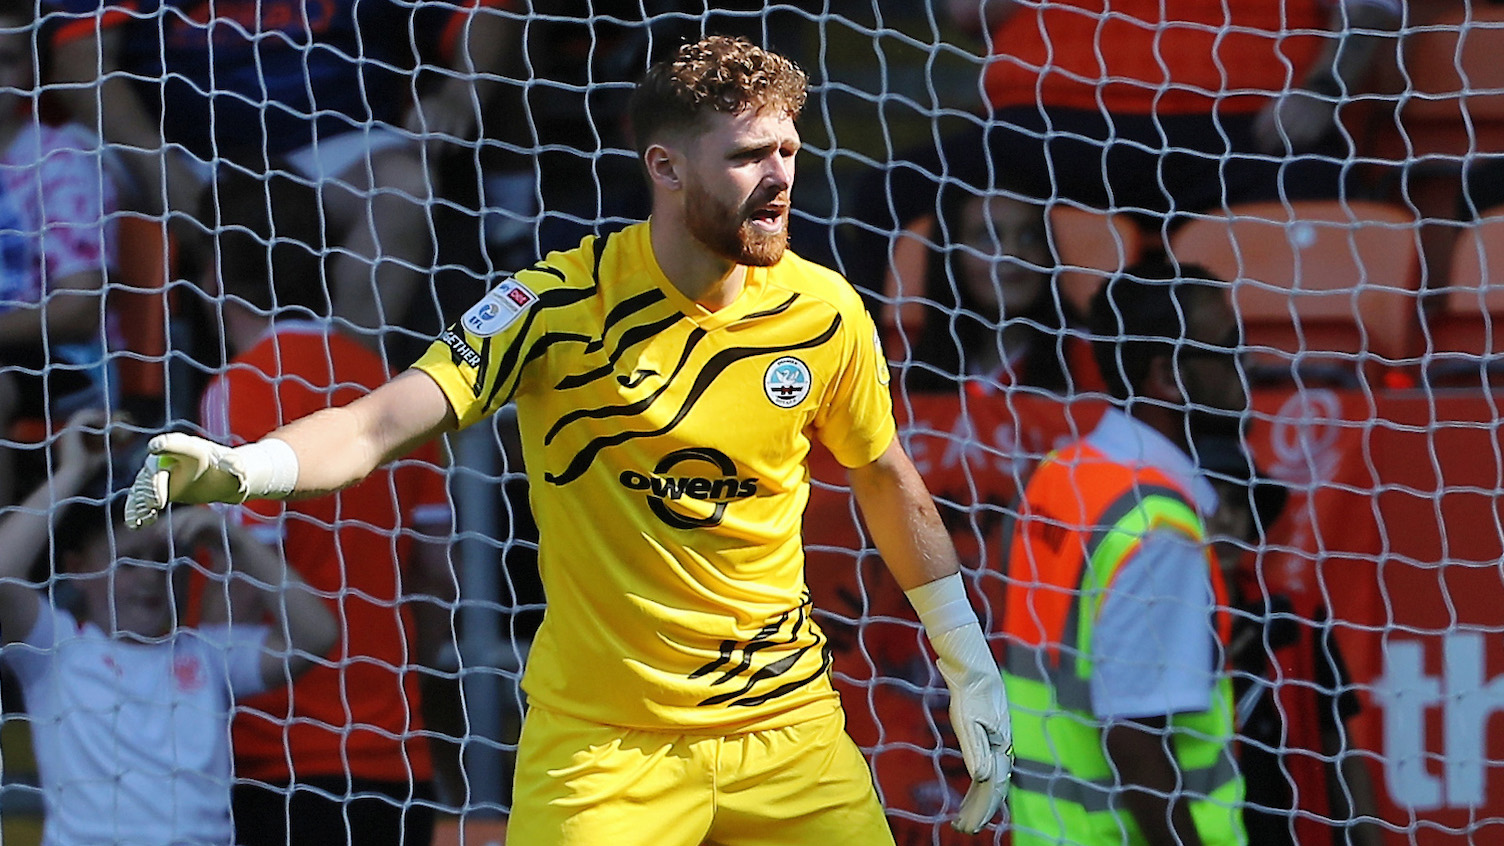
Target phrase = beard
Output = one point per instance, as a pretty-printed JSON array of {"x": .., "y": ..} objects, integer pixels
[{"x": 728, "y": 231}]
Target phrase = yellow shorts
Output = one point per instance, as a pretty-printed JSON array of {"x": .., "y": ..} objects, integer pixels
[{"x": 584, "y": 784}]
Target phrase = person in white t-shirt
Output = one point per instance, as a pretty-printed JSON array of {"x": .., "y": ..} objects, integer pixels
[{"x": 130, "y": 709}]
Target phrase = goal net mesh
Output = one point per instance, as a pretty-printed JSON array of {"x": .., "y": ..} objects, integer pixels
[{"x": 167, "y": 156}]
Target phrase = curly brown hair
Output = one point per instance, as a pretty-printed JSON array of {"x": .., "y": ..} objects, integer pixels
[{"x": 715, "y": 74}]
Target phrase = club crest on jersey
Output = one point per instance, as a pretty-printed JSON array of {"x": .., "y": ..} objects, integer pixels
[
  {"x": 786, "y": 382},
  {"x": 498, "y": 308}
]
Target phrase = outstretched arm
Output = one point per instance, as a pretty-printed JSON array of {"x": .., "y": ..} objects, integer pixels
[
  {"x": 338, "y": 447},
  {"x": 321, "y": 453},
  {"x": 24, "y": 532},
  {"x": 902, "y": 518}
]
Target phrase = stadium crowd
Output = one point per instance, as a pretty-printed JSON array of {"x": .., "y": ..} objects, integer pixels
[{"x": 329, "y": 185}]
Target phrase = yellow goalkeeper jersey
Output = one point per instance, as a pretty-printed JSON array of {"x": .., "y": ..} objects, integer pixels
[{"x": 665, "y": 448}]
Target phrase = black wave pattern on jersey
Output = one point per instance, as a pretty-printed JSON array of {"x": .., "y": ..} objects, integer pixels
[
  {"x": 629, "y": 338},
  {"x": 741, "y": 668},
  {"x": 553, "y": 298},
  {"x": 636, "y": 407},
  {"x": 771, "y": 312},
  {"x": 708, "y": 373}
]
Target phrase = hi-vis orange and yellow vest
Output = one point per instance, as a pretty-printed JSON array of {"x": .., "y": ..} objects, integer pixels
[{"x": 1083, "y": 515}]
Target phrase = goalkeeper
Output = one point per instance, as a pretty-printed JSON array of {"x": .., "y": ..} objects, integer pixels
[{"x": 670, "y": 379}]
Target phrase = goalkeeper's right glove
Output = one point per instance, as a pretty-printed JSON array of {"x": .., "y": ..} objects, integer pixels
[{"x": 191, "y": 470}]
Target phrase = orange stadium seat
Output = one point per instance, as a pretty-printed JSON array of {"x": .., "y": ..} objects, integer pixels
[
  {"x": 1447, "y": 89},
  {"x": 1464, "y": 333},
  {"x": 1326, "y": 291},
  {"x": 1091, "y": 246}
]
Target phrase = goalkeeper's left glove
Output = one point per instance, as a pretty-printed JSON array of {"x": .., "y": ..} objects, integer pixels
[
  {"x": 978, "y": 702},
  {"x": 189, "y": 469}
]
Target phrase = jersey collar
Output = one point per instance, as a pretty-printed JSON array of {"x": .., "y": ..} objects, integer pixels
[
  {"x": 1128, "y": 440},
  {"x": 746, "y": 301}
]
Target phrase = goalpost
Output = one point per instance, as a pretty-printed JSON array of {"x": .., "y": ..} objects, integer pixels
[{"x": 1368, "y": 333}]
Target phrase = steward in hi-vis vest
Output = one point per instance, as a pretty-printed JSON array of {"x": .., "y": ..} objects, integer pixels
[
  {"x": 1083, "y": 517},
  {"x": 1116, "y": 618}
]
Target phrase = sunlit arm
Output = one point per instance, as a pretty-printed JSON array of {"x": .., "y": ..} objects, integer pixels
[
  {"x": 338, "y": 447},
  {"x": 901, "y": 515}
]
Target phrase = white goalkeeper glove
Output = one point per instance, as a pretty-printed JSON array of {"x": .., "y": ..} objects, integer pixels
[
  {"x": 978, "y": 702},
  {"x": 191, "y": 470}
]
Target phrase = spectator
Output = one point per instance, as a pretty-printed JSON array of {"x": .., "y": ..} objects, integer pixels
[
  {"x": 56, "y": 245},
  {"x": 992, "y": 320},
  {"x": 342, "y": 757},
  {"x": 1157, "y": 108},
  {"x": 130, "y": 710},
  {"x": 1306, "y": 785},
  {"x": 319, "y": 90},
  {"x": 1115, "y": 615}
]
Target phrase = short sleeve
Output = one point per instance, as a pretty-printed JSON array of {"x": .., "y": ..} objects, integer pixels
[
  {"x": 240, "y": 647},
  {"x": 30, "y": 657},
  {"x": 1152, "y": 647},
  {"x": 855, "y": 421},
  {"x": 479, "y": 361}
]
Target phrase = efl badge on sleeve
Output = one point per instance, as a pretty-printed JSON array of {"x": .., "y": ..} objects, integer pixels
[{"x": 498, "y": 308}]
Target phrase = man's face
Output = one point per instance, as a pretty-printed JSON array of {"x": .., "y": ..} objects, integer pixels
[
  {"x": 1010, "y": 240},
  {"x": 1210, "y": 376},
  {"x": 738, "y": 175}
]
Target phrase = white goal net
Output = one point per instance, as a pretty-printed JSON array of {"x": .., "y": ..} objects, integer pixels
[{"x": 977, "y": 170}]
